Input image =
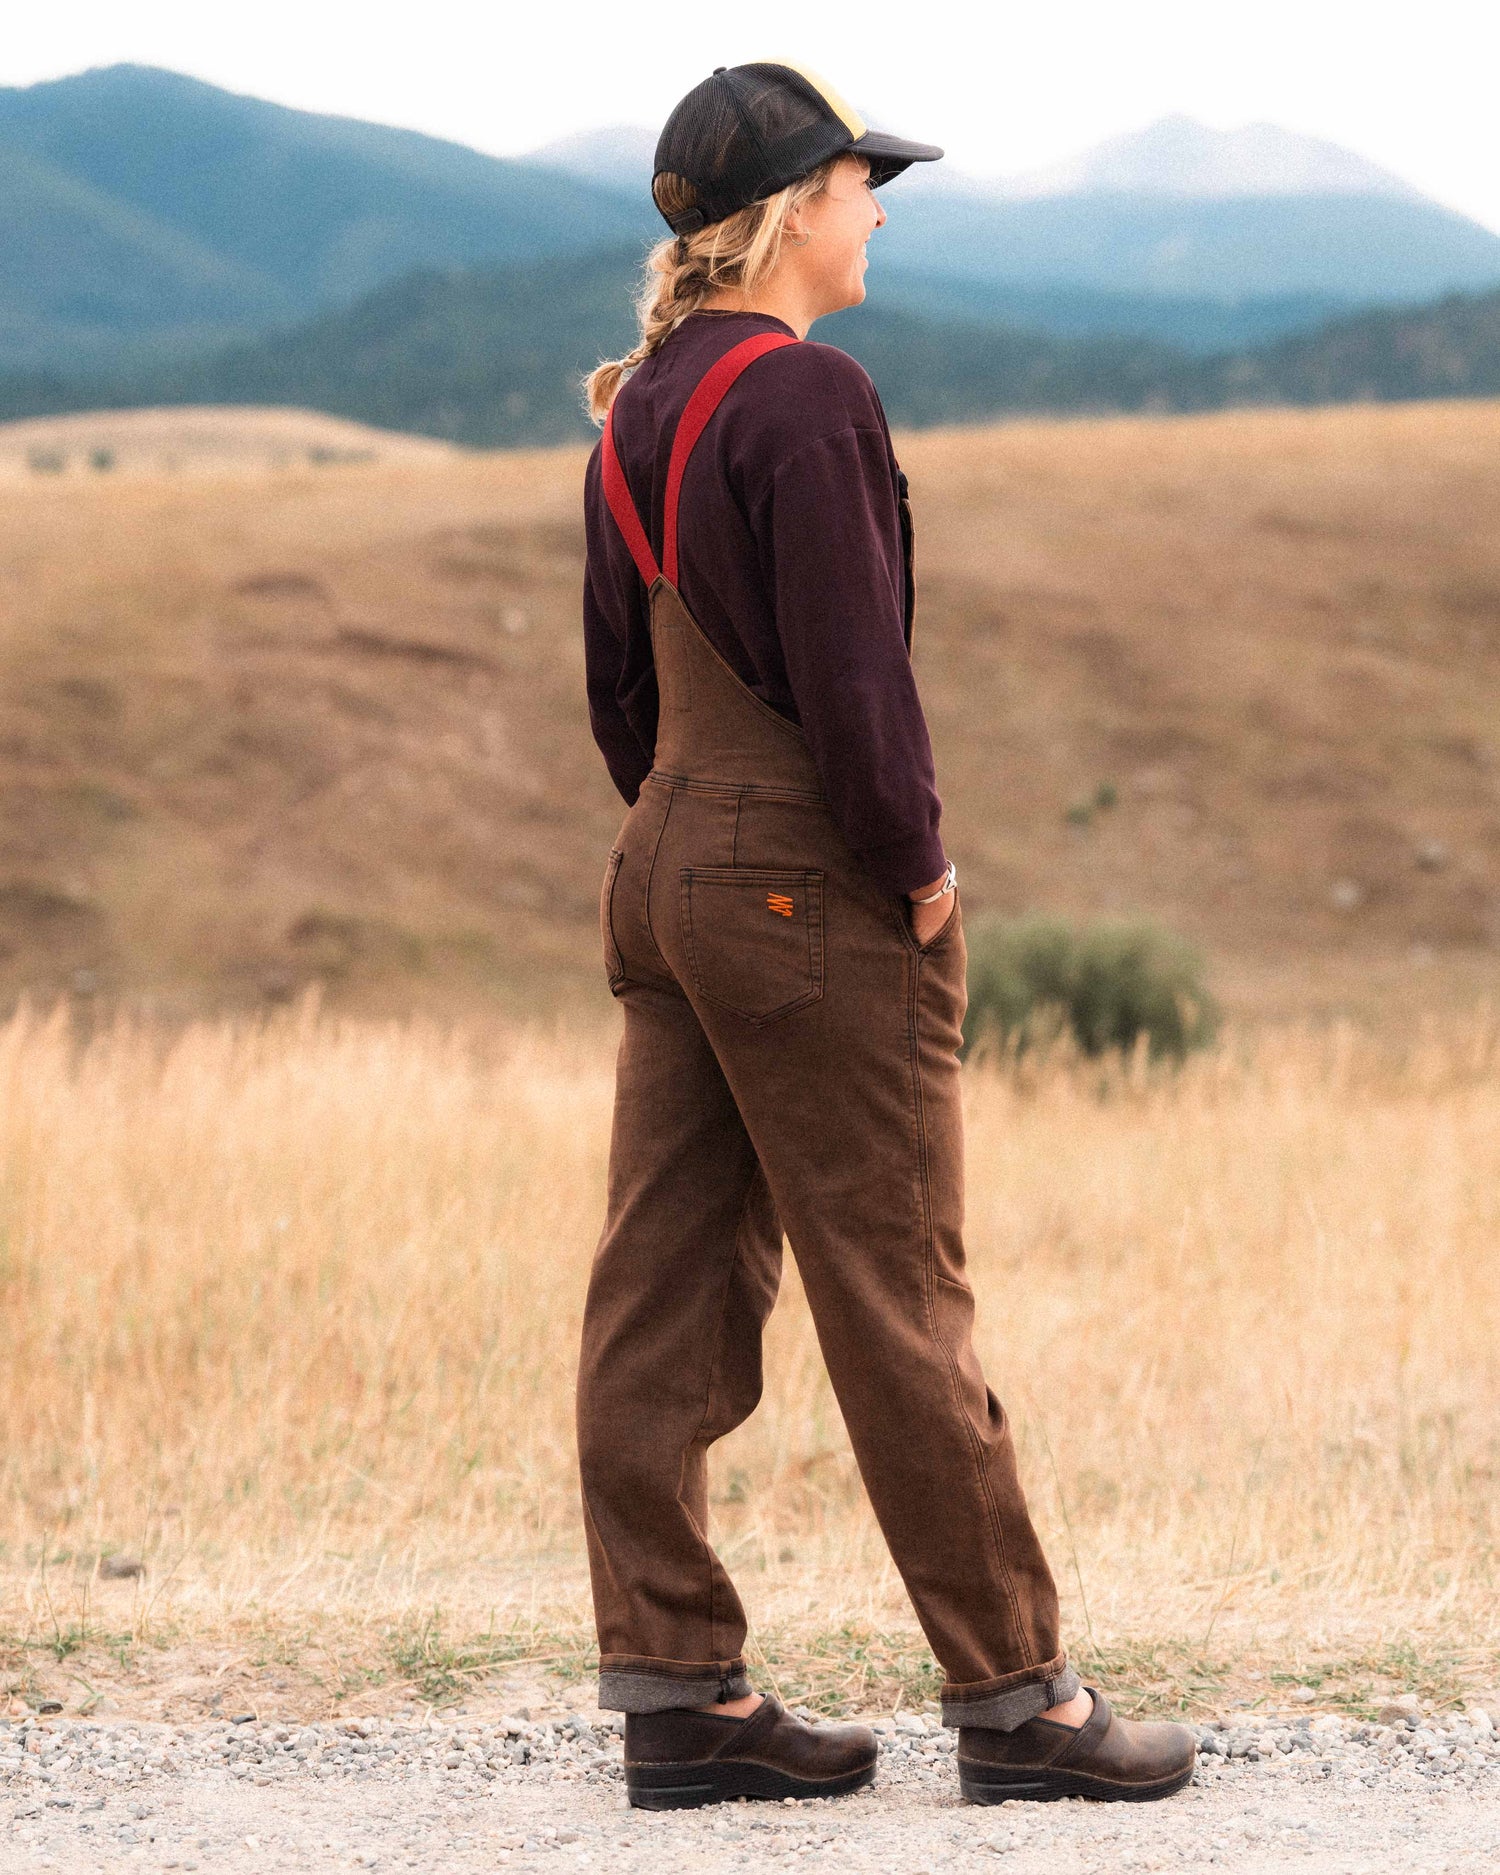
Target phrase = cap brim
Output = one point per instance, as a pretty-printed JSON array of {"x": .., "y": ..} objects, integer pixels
[{"x": 889, "y": 155}]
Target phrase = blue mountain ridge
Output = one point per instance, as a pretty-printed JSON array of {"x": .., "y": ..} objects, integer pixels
[{"x": 146, "y": 215}]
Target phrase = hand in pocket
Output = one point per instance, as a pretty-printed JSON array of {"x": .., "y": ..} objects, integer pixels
[{"x": 928, "y": 920}]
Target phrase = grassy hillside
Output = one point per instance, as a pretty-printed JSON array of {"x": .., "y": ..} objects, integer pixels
[
  {"x": 329, "y": 724},
  {"x": 192, "y": 441},
  {"x": 291, "y": 1314}
]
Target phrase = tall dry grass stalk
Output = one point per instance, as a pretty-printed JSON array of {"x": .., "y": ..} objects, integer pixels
[{"x": 290, "y": 1309}]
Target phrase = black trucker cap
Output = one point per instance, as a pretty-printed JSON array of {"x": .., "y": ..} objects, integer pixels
[{"x": 749, "y": 130}]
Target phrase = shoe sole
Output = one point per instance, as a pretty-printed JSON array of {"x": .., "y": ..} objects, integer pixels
[
  {"x": 690, "y": 1786},
  {"x": 985, "y": 1784}
]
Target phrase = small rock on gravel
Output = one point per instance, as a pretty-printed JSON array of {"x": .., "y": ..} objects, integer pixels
[{"x": 452, "y": 1796}]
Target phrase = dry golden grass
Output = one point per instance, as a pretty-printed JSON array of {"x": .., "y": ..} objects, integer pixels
[
  {"x": 198, "y": 439},
  {"x": 328, "y": 725},
  {"x": 289, "y": 1309}
]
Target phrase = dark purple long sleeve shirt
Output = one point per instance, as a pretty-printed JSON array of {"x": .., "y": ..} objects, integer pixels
[{"x": 794, "y": 557}]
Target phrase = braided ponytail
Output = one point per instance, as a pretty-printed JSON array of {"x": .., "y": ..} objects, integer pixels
[{"x": 686, "y": 269}]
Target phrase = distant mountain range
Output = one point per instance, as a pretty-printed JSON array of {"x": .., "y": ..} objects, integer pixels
[
  {"x": 1175, "y": 156},
  {"x": 1178, "y": 156},
  {"x": 1356, "y": 248},
  {"x": 1174, "y": 211},
  {"x": 617, "y": 156},
  {"x": 149, "y": 217},
  {"x": 144, "y": 212},
  {"x": 463, "y": 354},
  {"x": 1195, "y": 325},
  {"x": 1391, "y": 354}
]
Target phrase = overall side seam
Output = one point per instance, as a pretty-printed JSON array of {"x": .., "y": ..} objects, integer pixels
[
  {"x": 708, "y": 1400},
  {"x": 650, "y": 875},
  {"x": 929, "y": 1278}
]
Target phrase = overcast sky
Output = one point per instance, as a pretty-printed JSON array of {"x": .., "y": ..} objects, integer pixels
[{"x": 1001, "y": 87}]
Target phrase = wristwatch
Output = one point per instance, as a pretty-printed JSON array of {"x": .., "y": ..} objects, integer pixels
[{"x": 950, "y": 880}]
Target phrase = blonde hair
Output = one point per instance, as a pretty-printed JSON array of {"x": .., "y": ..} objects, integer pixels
[{"x": 682, "y": 271}]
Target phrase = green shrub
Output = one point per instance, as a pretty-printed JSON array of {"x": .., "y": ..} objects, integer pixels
[
  {"x": 1081, "y": 813},
  {"x": 1106, "y": 985}
]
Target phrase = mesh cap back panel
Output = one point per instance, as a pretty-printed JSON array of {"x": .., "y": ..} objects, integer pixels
[{"x": 743, "y": 134}]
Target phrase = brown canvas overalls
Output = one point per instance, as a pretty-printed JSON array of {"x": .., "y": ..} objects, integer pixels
[{"x": 789, "y": 1059}]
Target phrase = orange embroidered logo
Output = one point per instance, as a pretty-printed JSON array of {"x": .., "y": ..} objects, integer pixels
[{"x": 778, "y": 901}]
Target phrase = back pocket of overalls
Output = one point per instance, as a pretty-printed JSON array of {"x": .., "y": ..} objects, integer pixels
[
  {"x": 614, "y": 969},
  {"x": 754, "y": 937}
]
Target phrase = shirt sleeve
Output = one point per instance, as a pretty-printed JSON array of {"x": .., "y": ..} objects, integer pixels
[
  {"x": 831, "y": 530},
  {"x": 609, "y": 594}
]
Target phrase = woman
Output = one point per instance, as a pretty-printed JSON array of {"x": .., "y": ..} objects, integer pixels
[{"x": 783, "y": 929}]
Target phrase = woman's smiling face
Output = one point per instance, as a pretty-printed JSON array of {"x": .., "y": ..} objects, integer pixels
[{"x": 837, "y": 223}]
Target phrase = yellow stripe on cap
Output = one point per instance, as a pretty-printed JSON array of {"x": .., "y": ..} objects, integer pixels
[{"x": 841, "y": 109}]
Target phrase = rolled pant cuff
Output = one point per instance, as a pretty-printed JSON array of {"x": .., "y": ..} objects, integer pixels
[
  {"x": 635, "y": 1688},
  {"x": 1011, "y": 1704}
]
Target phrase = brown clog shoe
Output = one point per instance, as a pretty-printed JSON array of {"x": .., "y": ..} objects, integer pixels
[
  {"x": 679, "y": 1759},
  {"x": 1124, "y": 1760}
]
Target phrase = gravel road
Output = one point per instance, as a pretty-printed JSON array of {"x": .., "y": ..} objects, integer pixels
[{"x": 1303, "y": 1793}]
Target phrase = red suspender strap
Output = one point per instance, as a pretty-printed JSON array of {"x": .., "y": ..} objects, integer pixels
[
  {"x": 704, "y": 401},
  {"x": 623, "y": 508},
  {"x": 699, "y": 408}
]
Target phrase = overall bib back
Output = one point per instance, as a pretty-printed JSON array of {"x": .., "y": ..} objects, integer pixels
[{"x": 789, "y": 1059}]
